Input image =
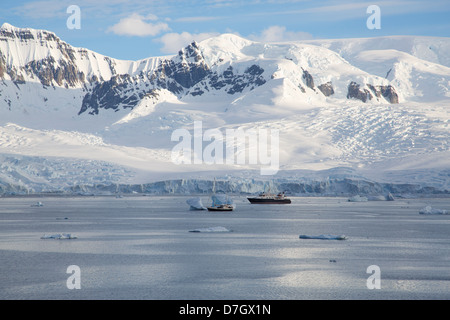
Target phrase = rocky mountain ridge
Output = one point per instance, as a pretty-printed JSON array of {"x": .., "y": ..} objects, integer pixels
[{"x": 37, "y": 56}]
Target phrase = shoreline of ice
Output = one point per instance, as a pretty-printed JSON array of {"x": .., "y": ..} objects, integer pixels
[{"x": 338, "y": 187}]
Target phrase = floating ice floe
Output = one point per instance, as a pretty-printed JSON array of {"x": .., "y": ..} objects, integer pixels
[
  {"x": 38, "y": 204},
  {"x": 430, "y": 210},
  {"x": 357, "y": 198},
  {"x": 59, "y": 236},
  {"x": 211, "y": 229},
  {"x": 195, "y": 204},
  {"x": 324, "y": 237}
]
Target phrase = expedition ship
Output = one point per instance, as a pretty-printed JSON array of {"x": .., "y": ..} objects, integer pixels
[{"x": 267, "y": 198}]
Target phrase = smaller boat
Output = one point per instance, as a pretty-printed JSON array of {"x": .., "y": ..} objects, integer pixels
[
  {"x": 221, "y": 207},
  {"x": 267, "y": 198},
  {"x": 220, "y": 202}
]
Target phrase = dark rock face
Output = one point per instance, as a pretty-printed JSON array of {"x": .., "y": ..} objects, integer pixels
[
  {"x": 388, "y": 92},
  {"x": 309, "y": 79},
  {"x": 46, "y": 72},
  {"x": 178, "y": 74},
  {"x": 182, "y": 72},
  {"x": 13, "y": 73},
  {"x": 190, "y": 67},
  {"x": 375, "y": 90},
  {"x": 119, "y": 92},
  {"x": 22, "y": 35},
  {"x": 108, "y": 95},
  {"x": 326, "y": 89},
  {"x": 236, "y": 83},
  {"x": 2, "y": 65},
  {"x": 355, "y": 92},
  {"x": 162, "y": 78}
]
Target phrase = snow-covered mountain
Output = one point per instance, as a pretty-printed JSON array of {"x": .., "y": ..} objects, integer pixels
[{"x": 378, "y": 106}]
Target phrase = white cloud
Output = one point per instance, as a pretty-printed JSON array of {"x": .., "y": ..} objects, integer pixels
[
  {"x": 173, "y": 42},
  {"x": 280, "y": 34},
  {"x": 137, "y": 25}
]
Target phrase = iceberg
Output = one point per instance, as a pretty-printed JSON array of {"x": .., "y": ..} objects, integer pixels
[
  {"x": 430, "y": 210},
  {"x": 358, "y": 198},
  {"x": 195, "y": 204},
  {"x": 211, "y": 229},
  {"x": 59, "y": 236},
  {"x": 38, "y": 204}
]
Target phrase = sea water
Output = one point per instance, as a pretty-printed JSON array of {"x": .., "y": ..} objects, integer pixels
[{"x": 141, "y": 247}]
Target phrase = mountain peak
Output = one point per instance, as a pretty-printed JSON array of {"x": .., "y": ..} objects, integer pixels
[
  {"x": 9, "y": 30},
  {"x": 6, "y": 25},
  {"x": 9, "y": 27},
  {"x": 224, "y": 47},
  {"x": 227, "y": 39}
]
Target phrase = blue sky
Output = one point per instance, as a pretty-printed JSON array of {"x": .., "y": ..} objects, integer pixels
[{"x": 136, "y": 29}]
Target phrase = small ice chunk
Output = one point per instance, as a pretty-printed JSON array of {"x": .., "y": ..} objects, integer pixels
[
  {"x": 211, "y": 229},
  {"x": 430, "y": 210},
  {"x": 37, "y": 204},
  {"x": 357, "y": 198},
  {"x": 59, "y": 236}
]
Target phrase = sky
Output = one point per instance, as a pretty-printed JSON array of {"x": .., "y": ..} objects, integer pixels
[{"x": 138, "y": 29}]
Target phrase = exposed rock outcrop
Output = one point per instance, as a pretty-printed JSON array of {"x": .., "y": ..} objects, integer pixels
[
  {"x": 308, "y": 79},
  {"x": 2, "y": 65},
  {"x": 354, "y": 92},
  {"x": 235, "y": 82},
  {"x": 326, "y": 89},
  {"x": 388, "y": 92},
  {"x": 63, "y": 73}
]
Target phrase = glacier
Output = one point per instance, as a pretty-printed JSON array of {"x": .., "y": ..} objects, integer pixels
[{"x": 60, "y": 177}]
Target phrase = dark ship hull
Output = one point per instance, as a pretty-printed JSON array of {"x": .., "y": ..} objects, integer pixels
[
  {"x": 269, "y": 201},
  {"x": 220, "y": 208}
]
